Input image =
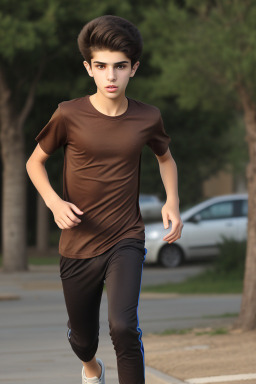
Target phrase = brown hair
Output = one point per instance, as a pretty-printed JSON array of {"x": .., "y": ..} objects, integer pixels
[{"x": 113, "y": 33}]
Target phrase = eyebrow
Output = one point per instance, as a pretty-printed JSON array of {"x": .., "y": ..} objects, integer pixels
[{"x": 119, "y": 62}]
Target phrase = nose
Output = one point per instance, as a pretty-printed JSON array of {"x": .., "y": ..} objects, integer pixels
[{"x": 111, "y": 74}]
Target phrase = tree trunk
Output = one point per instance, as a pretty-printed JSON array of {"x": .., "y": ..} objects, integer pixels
[
  {"x": 14, "y": 234},
  {"x": 247, "y": 316},
  {"x": 42, "y": 229},
  {"x": 13, "y": 199}
]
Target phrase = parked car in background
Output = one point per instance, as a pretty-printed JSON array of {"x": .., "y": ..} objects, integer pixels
[
  {"x": 204, "y": 226},
  {"x": 150, "y": 207}
]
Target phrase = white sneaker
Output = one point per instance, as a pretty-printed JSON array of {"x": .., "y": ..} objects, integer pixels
[{"x": 95, "y": 379}]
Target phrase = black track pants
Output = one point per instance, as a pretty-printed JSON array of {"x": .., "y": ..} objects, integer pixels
[{"x": 83, "y": 280}]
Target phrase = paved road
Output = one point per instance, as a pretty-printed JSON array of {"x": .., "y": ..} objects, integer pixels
[
  {"x": 153, "y": 274},
  {"x": 33, "y": 344}
]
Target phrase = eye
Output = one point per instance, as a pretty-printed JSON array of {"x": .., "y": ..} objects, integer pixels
[{"x": 120, "y": 66}]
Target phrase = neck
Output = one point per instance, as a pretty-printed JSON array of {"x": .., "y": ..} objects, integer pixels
[{"x": 108, "y": 106}]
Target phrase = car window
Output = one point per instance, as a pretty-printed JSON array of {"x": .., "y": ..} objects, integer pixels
[
  {"x": 244, "y": 208},
  {"x": 221, "y": 210},
  {"x": 148, "y": 199}
]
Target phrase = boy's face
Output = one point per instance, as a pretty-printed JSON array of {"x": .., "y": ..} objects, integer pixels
[{"x": 111, "y": 68}]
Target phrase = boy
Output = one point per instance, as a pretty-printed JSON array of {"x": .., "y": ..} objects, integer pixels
[{"x": 102, "y": 238}]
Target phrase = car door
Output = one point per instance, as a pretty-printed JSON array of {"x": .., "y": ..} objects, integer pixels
[
  {"x": 242, "y": 220},
  {"x": 214, "y": 221}
]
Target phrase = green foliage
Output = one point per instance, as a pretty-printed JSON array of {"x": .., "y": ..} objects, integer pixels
[
  {"x": 224, "y": 276},
  {"x": 44, "y": 260},
  {"x": 224, "y": 315},
  {"x": 212, "y": 332},
  {"x": 205, "y": 51},
  {"x": 26, "y": 26},
  {"x": 173, "y": 331},
  {"x": 201, "y": 53},
  {"x": 201, "y": 145},
  {"x": 208, "y": 282},
  {"x": 231, "y": 259},
  {"x": 217, "y": 331}
]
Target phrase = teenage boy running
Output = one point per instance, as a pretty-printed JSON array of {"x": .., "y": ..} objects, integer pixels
[{"x": 103, "y": 238}]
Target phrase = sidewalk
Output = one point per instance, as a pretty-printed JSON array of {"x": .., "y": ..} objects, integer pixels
[
  {"x": 33, "y": 344},
  {"x": 34, "y": 347},
  {"x": 198, "y": 357}
]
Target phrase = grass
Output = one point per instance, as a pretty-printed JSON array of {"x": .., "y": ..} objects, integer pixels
[
  {"x": 217, "y": 331},
  {"x": 213, "y": 332},
  {"x": 44, "y": 260},
  {"x": 40, "y": 260},
  {"x": 225, "y": 276},
  {"x": 207, "y": 282},
  {"x": 224, "y": 315},
  {"x": 174, "y": 331}
]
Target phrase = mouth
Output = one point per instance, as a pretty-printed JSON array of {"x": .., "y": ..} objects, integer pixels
[{"x": 111, "y": 88}]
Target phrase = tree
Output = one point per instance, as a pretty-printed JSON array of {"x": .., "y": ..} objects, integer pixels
[{"x": 205, "y": 51}]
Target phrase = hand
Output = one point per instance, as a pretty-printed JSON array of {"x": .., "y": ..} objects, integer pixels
[
  {"x": 64, "y": 216},
  {"x": 170, "y": 212}
]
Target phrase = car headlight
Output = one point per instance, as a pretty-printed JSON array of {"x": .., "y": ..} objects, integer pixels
[{"x": 152, "y": 235}]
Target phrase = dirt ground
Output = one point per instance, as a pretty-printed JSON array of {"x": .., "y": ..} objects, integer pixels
[{"x": 195, "y": 355}]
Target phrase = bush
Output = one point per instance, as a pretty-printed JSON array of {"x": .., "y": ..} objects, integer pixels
[{"x": 231, "y": 258}]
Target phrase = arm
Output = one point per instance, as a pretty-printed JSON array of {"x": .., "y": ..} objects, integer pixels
[
  {"x": 63, "y": 215},
  {"x": 170, "y": 210}
]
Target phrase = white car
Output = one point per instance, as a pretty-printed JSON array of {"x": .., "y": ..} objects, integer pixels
[
  {"x": 204, "y": 226},
  {"x": 150, "y": 207}
]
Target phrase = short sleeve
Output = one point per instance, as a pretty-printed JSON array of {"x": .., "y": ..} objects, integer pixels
[
  {"x": 54, "y": 133},
  {"x": 158, "y": 140}
]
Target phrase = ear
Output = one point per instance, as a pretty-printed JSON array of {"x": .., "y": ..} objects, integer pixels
[
  {"x": 88, "y": 68},
  {"x": 134, "y": 68}
]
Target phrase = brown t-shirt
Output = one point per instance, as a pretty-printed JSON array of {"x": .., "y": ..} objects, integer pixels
[{"x": 101, "y": 173}]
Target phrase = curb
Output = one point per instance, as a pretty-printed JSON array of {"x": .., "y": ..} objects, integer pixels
[{"x": 153, "y": 376}]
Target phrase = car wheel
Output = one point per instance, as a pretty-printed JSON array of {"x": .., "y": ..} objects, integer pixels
[{"x": 170, "y": 256}]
